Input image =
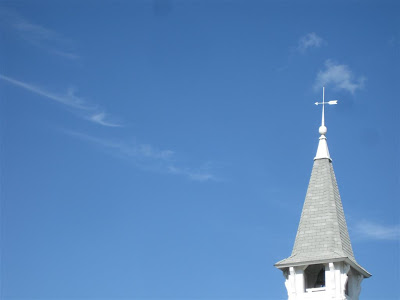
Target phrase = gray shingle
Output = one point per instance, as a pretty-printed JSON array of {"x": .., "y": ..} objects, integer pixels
[{"x": 322, "y": 233}]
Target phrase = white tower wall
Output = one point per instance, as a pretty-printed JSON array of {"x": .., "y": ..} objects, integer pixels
[{"x": 341, "y": 283}]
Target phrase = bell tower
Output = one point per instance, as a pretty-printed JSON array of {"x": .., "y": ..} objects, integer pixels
[{"x": 322, "y": 264}]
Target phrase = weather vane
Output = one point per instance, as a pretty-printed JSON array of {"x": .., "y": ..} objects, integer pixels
[{"x": 322, "y": 129}]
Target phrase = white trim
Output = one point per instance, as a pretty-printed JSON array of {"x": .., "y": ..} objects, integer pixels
[{"x": 322, "y": 151}]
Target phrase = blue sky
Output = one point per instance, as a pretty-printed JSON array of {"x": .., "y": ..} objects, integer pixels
[{"x": 162, "y": 149}]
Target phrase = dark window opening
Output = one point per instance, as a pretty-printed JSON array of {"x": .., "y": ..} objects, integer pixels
[{"x": 314, "y": 276}]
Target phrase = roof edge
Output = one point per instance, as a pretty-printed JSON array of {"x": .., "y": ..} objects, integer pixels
[{"x": 352, "y": 263}]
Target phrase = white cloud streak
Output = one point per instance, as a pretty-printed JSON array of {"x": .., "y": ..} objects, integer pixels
[
  {"x": 38, "y": 35},
  {"x": 310, "y": 40},
  {"x": 147, "y": 157},
  {"x": 375, "y": 231},
  {"x": 101, "y": 118},
  {"x": 203, "y": 174},
  {"x": 69, "y": 99},
  {"x": 339, "y": 77}
]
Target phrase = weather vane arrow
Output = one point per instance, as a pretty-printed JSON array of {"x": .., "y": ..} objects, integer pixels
[{"x": 323, "y": 103}]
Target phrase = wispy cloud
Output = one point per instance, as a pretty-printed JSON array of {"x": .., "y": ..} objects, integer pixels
[
  {"x": 202, "y": 174},
  {"x": 339, "y": 77},
  {"x": 310, "y": 40},
  {"x": 68, "y": 99},
  {"x": 375, "y": 231},
  {"x": 101, "y": 118},
  {"x": 38, "y": 35},
  {"x": 147, "y": 157}
]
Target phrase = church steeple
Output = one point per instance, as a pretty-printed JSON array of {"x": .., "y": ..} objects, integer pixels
[{"x": 322, "y": 263}]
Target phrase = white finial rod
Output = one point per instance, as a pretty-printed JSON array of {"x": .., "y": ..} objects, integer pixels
[
  {"x": 322, "y": 151},
  {"x": 332, "y": 102},
  {"x": 323, "y": 107}
]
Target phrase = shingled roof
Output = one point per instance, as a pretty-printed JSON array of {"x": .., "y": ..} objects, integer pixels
[{"x": 322, "y": 235}]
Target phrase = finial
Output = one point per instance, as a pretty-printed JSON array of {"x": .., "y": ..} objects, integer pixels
[
  {"x": 322, "y": 129},
  {"x": 323, "y": 151}
]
